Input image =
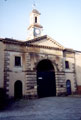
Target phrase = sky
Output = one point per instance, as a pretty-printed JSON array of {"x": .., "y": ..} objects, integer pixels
[{"x": 61, "y": 20}]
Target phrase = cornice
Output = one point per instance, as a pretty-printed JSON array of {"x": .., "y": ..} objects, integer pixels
[
  {"x": 45, "y": 47},
  {"x": 69, "y": 50},
  {"x": 28, "y": 43},
  {"x": 35, "y": 25},
  {"x": 12, "y": 41}
]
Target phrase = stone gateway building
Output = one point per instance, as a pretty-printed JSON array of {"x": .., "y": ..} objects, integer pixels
[{"x": 39, "y": 66}]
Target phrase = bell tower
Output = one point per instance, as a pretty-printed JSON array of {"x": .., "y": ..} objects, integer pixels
[{"x": 34, "y": 29}]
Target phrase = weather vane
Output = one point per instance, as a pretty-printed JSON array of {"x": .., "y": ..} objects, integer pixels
[{"x": 34, "y": 4}]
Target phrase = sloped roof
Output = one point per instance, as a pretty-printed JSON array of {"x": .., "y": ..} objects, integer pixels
[
  {"x": 41, "y": 42},
  {"x": 12, "y": 41},
  {"x": 45, "y": 41},
  {"x": 35, "y": 11}
]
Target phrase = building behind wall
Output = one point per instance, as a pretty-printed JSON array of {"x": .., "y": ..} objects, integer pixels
[{"x": 39, "y": 65}]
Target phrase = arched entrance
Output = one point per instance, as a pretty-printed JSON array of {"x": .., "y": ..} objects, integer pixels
[
  {"x": 68, "y": 87},
  {"x": 18, "y": 89},
  {"x": 46, "y": 85}
]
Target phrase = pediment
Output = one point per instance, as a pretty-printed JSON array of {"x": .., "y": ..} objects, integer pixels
[{"x": 45, "y": 41}]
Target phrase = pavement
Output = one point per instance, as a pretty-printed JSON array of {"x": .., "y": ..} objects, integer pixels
[{"x": 50, "y": 108}]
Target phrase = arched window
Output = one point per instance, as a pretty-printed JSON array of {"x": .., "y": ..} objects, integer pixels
[{"x": 35, "y": 19}]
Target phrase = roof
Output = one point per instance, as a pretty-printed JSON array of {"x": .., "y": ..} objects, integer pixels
[
  {"x": 12, "y": 41},
  {"x": 45, "y": 40},
  {"x": 34, "y": 43},
  {"x": 35, "y": 11},
  {"x": 42, "y": 42},
  {"x": 69, "y": 50},
  {"x": 37, "y": 39}
]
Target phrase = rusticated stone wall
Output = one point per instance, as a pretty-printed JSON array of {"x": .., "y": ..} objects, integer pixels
[
  {"x": 1, "y": 65},
  {"x": 32, "y": 61},
  {"x": 27, "y": 72}
]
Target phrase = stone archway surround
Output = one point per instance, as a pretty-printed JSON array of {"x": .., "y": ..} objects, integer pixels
[{"x": 32, "y": 74}]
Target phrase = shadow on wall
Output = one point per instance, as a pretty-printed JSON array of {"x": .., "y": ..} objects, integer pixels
[{"x": 3, "y": 98}]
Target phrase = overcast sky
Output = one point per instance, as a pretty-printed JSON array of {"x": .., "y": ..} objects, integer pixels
[{"x": 61, "y": 20}]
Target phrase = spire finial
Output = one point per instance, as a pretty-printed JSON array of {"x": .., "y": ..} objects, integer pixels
[{"x": 34, "y": 4}]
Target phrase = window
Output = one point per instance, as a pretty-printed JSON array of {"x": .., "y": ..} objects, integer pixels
[
  {"x": 35, "y": 19},
  {"x": 66, "y": 64},
  {"x": 17, "y": 61}
]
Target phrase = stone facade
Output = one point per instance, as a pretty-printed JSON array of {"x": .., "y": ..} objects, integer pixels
[
  {"x": 31, "y": 53},
  {"x": 78, "y": 70}
]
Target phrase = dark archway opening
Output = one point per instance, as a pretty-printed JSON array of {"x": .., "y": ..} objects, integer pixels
[
  {"x": 46, "y": 84},
  {"x": 68, "y": 87},
  {"x": 18, "y": 89}
]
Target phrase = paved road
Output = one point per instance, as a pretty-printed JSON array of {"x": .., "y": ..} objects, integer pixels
[{"x": 52, "y": 108}]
